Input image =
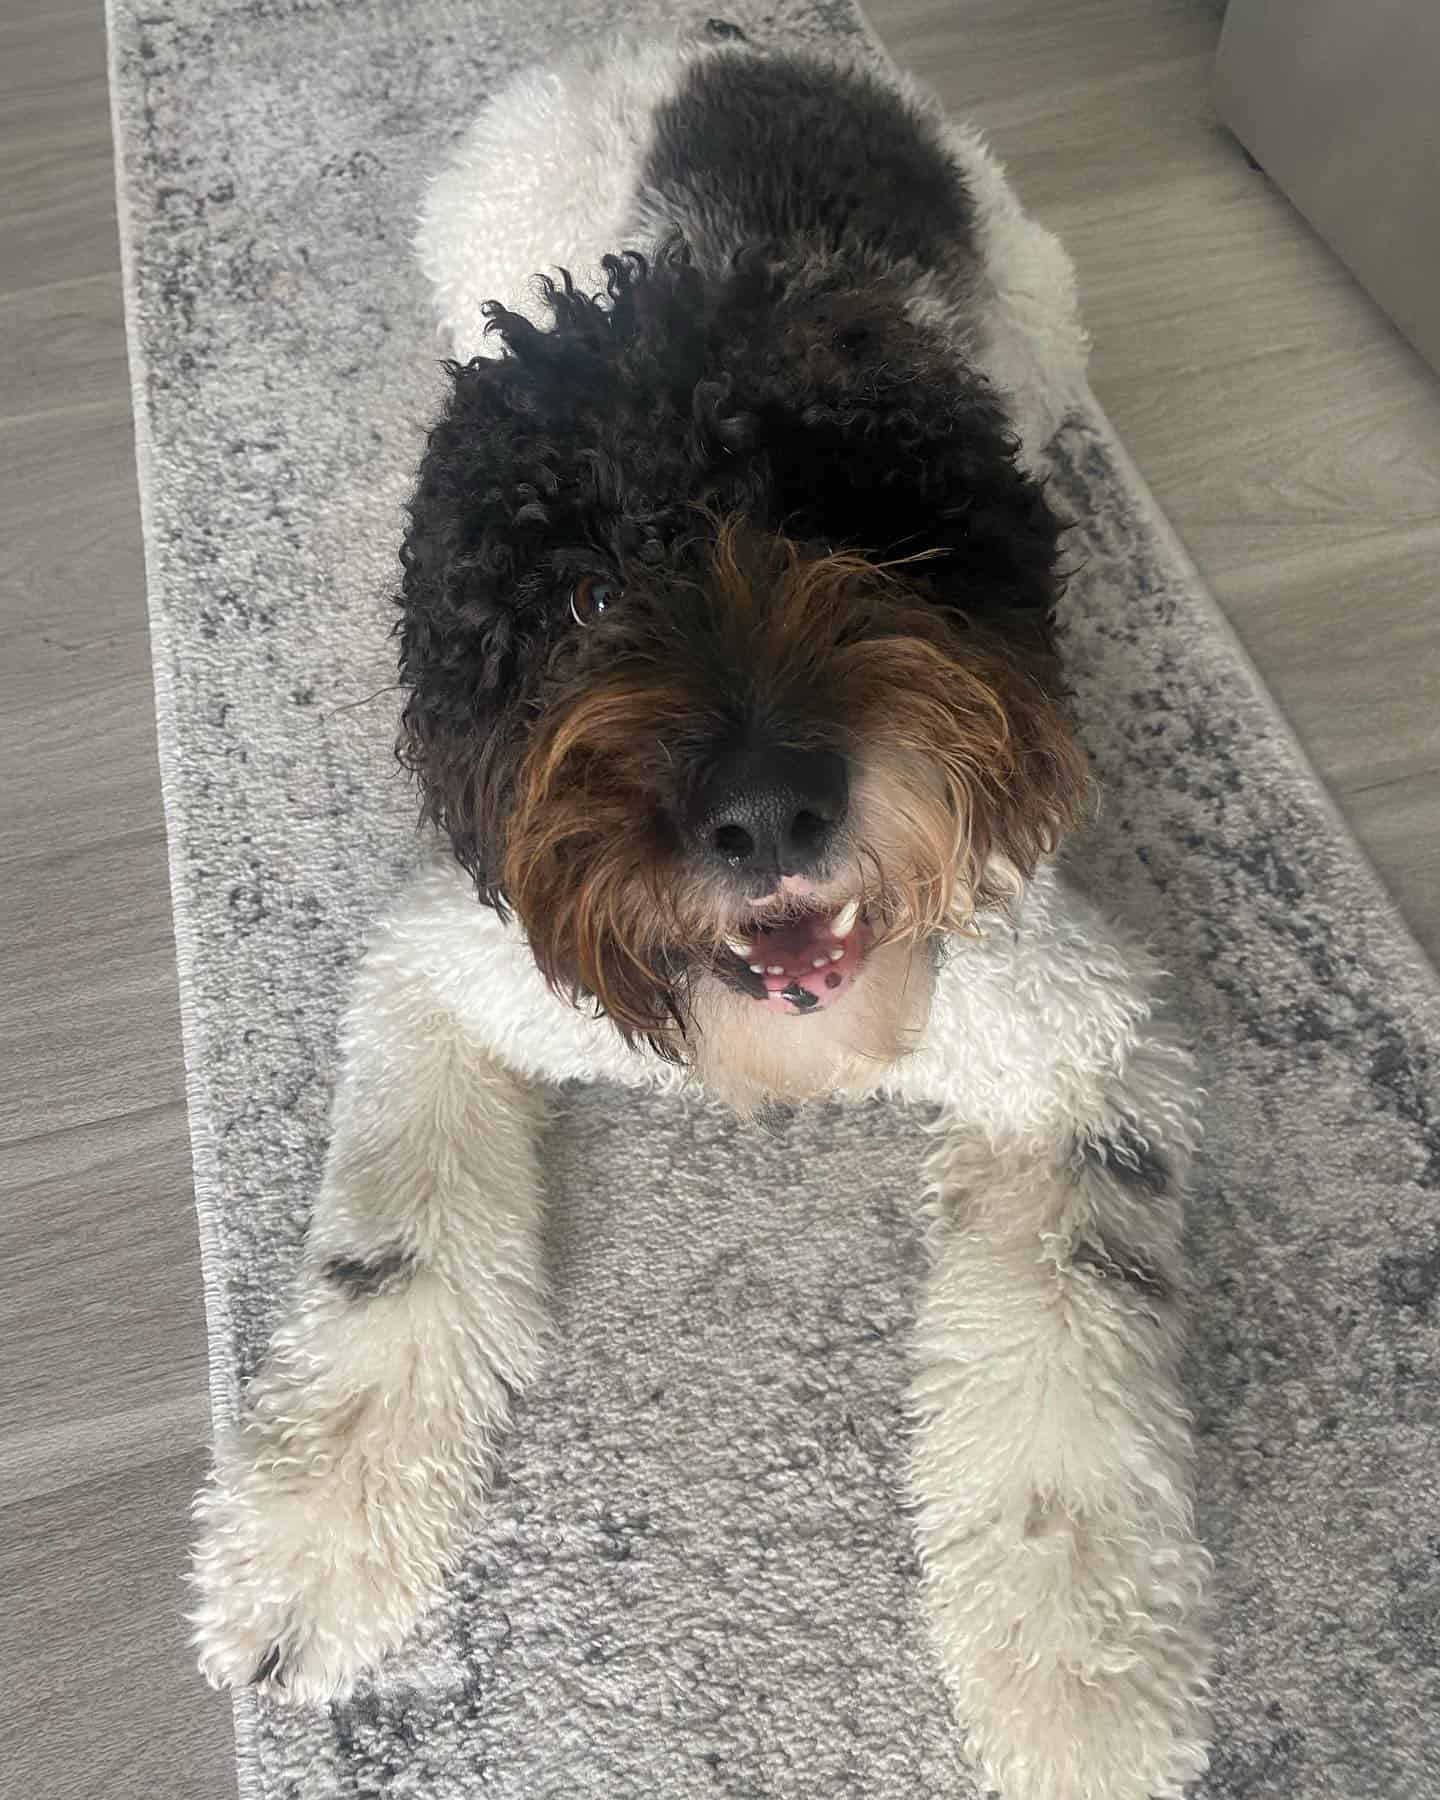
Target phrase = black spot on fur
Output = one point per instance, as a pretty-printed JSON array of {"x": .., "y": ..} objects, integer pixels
[
  {"x": 363, "y": 1277},
  {"x": 1113, "y": 1261},
  {"x": 269, "y": 1670},
  {"x": 1131, "y": 1159},
  {"x": 781, "y": 149}
]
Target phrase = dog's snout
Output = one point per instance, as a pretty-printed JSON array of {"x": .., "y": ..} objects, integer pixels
[{"x": 771, "y": 812}]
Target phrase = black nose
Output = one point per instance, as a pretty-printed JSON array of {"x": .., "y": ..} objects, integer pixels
[{"x": 769, "y": 812}]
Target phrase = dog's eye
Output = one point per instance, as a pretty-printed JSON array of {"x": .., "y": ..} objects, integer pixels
[{"x": 590, "y": 596}]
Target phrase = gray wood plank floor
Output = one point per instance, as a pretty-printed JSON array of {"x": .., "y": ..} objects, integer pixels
[
  {"x": 103, "y": 1417},
  {"x": 1292, "y": 437}
]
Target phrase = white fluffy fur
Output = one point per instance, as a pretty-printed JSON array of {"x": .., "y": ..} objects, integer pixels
[{"x": 1051, "y": 1454}]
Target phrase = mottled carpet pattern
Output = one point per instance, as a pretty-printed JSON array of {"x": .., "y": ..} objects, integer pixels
[{"x": 696, "y": 1576}]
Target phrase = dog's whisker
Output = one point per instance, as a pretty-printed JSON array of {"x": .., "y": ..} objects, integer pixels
[{"x": 390, "y": 687}]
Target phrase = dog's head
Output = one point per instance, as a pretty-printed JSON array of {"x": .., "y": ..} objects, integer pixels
[{"x": 726, "y": 632}]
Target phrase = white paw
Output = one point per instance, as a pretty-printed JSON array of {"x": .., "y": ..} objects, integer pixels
[
  {"x": 1079, "y": 1661},
  {"x": 1068, "y": 1733},
  {"x": 308, "y": 1575}
]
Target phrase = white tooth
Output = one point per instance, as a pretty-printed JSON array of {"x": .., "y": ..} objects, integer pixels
[
  {"x": 820, "y": 962},
  {"x": 775, "y": 969},
  {"x": 844, "y": 921},
  {"x": 835, "y": 954},
  {"x": 740, "y": 947},
  {"x": 757, "y": 968}
]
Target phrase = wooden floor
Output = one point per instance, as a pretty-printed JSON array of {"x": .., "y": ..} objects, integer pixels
[{"x": 1291, "y": 436}]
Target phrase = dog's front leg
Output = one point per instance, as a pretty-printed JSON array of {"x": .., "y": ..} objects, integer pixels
[
  {"x": 338, "y": 1504},
  {"x": 1051, "y": 1466}
]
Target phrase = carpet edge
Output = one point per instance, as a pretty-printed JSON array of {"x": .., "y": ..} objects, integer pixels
[
  {"x": 1411, "y": 956},
  {"x": 221, "y": 1383}
]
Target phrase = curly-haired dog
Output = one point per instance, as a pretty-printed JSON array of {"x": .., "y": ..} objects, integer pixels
[{"x": 728, "y": 650}]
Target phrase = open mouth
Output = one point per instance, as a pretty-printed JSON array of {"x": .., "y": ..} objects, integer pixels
[{"x": 802, "y": 961}]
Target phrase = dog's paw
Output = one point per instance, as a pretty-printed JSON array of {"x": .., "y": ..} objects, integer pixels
[
  {"x": 305, "y": 1581},
  {"x": 1061, "y": 1733},
  {"x": 1089, "y": 1679}
]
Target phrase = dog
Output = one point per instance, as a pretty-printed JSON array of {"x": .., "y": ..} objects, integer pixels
[{"x": 728, "y": 647}]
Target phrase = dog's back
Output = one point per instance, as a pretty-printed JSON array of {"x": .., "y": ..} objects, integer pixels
[
  {"x": 726, "y": 146},
  {"x": 806, "y": 154},
  {"x": 723, "y": 146}
]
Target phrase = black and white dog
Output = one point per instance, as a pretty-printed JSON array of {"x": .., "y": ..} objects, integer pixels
[{"x": 727, "y": 641}]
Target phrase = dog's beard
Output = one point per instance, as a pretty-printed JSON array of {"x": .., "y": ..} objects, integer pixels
[{"x": 964, "y": 774}]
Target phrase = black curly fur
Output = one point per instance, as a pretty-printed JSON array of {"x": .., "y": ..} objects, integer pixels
[
  {"x": 767, "y": 367},
  {"x": 591, "y": 446},
  {"x": 790, "y": 147}
]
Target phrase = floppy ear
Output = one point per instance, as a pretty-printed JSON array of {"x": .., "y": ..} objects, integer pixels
[
  {"x": 464, "y": 633},
  {"x": 877, "y": 436},
  {"x": 578, "y": 435},
  {"x": 544, "y": 446}
]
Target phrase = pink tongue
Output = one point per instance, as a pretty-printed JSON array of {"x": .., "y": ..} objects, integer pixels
[
  {"x": 798, "y": 943},
  {"x": 795, "y": 949}
]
